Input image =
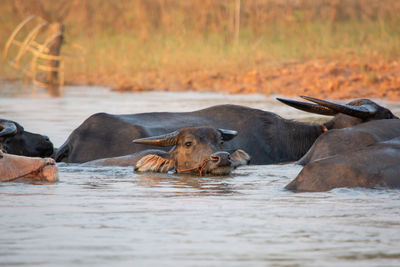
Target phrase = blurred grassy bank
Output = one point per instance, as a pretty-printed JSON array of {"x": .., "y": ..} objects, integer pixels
[{"x": 227, "y": 45}]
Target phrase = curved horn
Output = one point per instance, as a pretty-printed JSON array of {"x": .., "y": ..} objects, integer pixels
[
  {"x": 169, "y": 139},
  {"x": 308, "y": 107},
  {"x": 227, "y": 134},
  {"x": 7, "y": 128},
  {"x": 363, "y": 111}
]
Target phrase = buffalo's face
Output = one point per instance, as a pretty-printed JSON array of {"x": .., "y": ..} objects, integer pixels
[
  {"x": 200, "y": 150},
  {"x": 16, "y": 141},
  {"x": 196, "y": 150}
]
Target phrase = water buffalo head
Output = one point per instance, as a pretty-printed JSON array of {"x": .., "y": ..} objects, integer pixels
[
  {"x": 346, "y": 115},
  {"x": 15, "y": 140},
  {"x": 17, "y": 168},
  {"x": 195, "y": 150}
]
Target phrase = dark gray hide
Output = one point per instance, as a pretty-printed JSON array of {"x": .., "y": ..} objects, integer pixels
[
  {"x": 339, "y": 141},
  {"x": 15, "y": 140},
  {"x": 372, "y": 166},
  {"x": 265, "y": 136}
]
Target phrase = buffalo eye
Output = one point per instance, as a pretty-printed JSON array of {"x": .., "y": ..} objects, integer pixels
[
  {"x": 188, "y": 144},
  {"x": 221, "y": 142}
]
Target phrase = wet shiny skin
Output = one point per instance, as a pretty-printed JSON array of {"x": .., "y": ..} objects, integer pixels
[{"x": 112, "y": 216}]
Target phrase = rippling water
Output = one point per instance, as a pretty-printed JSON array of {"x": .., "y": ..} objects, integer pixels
[{"x": 112, "y": 216}]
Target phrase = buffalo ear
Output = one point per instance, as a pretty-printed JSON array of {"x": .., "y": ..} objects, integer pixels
[
  {"x": 227, "y": 134},
  {"x": 154, "y": 163},
  {"x": 239, "y": 158},
  {"x": 7, "y": 128}
]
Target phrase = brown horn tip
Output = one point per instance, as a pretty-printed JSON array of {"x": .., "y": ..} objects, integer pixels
[
  {"x": 169, "y": 139},
  {"x": 308, "y": 107}
]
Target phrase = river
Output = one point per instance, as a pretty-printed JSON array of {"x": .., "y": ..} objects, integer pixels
[{"x": 112, "y": 216}]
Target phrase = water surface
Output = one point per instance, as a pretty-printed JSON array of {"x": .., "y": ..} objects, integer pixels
[{"x": 112, "y": 216}]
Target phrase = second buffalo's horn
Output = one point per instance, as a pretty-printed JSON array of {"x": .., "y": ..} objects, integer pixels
[
  {"x": 308, "y": 107},
  {"x": 363, "y": 111}
]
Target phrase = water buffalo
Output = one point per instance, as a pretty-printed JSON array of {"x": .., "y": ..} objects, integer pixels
[
  {"x": 15, "y": 140},
  {"x": 195, "y": 150},
  {"x": 21, "y": 168},
  {"x": 267, "y": 137},
  {"x": 372, "y": 166},
  {"x": 339, "y": 141}
]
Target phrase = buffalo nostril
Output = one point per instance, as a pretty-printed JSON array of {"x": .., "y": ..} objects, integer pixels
[{"x": 215, "y": 158}]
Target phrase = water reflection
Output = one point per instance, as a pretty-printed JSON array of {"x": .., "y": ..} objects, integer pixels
[
  {"x": 203, "y": 186},
  {"x": 183, "y": 184}
]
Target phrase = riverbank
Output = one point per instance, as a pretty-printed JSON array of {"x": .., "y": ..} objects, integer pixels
[{"x": 319, "y": 78}]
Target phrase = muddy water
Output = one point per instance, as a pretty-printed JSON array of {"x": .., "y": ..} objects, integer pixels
[{"x": 111, "y": 216}]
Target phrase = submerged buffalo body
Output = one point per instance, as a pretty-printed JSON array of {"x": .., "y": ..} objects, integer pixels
[
  {"x": 261, "y": 134},
  {"x": 195, "y": 150},
  {"x": 15, "y": 140},
  {"x": 21, "y": 168},
  {"x": 372, "y": 166},
  {"x": 265, "y": 136},
  {"x": 339, "y": 141}
]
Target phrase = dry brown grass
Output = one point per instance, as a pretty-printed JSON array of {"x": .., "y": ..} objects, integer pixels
[{"x": 285, "y": 47}]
